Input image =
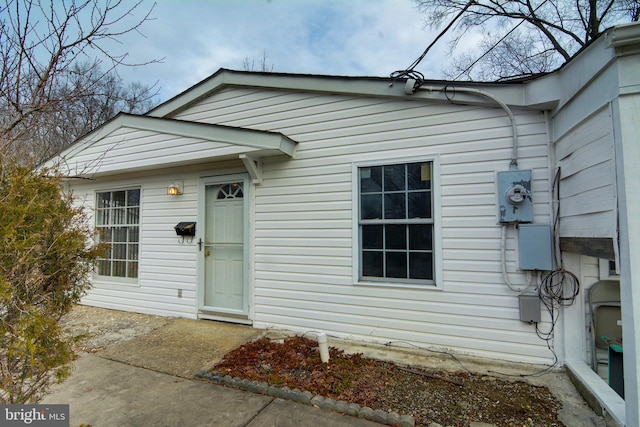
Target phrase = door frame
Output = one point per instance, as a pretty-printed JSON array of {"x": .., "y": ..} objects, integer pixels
[{"x": 205, "y": 312}]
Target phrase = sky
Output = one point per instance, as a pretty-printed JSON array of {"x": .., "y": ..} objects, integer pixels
[{"x": 195, "y": 38}]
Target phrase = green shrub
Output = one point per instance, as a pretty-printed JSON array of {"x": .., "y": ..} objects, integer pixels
[{"x": 46, "y": 258}]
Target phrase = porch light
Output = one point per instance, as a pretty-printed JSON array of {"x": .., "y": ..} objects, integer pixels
[{"x": 175, "y": 188}]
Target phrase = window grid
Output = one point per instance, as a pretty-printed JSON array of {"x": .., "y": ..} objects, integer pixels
[
  {"x": 118, "y": 225},
  {"x": 396, "y": 223}
]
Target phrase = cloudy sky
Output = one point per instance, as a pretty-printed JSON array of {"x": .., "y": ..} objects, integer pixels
[{"x": 194, "y": 38}]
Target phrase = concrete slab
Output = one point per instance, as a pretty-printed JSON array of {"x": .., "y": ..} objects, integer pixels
[
  {"x": 102, "y": 392},
  {"x": 183, "y": 347}
]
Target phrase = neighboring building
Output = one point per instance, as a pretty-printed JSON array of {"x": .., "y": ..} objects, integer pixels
[{"x": 370, "y": 212}]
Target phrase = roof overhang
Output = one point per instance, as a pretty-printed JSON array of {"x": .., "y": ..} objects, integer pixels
[{"x": 214, "y": 142}]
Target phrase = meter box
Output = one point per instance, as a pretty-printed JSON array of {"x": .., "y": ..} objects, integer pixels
[
  {"x": 535, "y": 247},
  {"x": 514, "y": 196}
]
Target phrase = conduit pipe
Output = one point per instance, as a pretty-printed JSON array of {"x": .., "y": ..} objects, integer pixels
[
  {"x": 412, "y": 86},
  {"x": 503, "y": 258}
]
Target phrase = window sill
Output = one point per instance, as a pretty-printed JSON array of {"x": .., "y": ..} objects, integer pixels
[{"x": 397, "y": 285}]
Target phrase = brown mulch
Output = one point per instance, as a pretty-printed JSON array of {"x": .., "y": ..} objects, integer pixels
[{"x": 447, "y": 398}]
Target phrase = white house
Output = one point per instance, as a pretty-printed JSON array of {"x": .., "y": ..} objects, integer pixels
[{"x": 378, "y": 211}]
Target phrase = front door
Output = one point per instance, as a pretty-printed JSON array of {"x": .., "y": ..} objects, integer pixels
[{"x": 223, "y": 290}]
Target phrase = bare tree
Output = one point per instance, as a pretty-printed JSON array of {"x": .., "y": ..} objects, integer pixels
[
  {"x": 524, "y": 37},
  {"x": 42, "y": 44},
  {"x": 250, "y": 64},
  {"x": 88, "y": 98}
]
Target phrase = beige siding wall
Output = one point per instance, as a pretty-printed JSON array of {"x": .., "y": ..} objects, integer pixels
[{"x": 303, "y": 234}]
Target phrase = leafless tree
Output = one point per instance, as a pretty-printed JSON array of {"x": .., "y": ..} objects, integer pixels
[
  {"x": 250, "y": 64},
  {"x": 523, "y": 37},
  {"x": 56, "y": 58}
]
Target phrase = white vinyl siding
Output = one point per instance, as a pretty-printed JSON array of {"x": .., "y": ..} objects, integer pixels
[
  {"x": 303, "y": 235},
  {"x": 167, "y": 278},
  {"x": 586, "y": 158}
]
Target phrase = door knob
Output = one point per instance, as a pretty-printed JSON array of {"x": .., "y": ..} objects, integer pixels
[{"x": 207, "y": 253}]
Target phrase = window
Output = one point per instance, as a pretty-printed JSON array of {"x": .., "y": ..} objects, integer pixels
[
  {"x": 118, "y": 224},
  {"x": 396, "y": 223}
]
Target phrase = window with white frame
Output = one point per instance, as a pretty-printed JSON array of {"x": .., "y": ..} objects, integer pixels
[
  {"x": 118, "y": 225},
  {"x": 396, "y": 223}
]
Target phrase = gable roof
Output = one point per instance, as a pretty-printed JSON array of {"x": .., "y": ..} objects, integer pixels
[
  {"x": 513, "y": 93},
  {"x": 132, "y": 142}
]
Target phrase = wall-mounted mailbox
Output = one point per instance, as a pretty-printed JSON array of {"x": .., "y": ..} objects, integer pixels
[{"x": 186, "y": 229}]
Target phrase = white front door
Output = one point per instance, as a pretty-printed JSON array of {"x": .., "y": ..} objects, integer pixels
[{"x": 223, "y": 283}]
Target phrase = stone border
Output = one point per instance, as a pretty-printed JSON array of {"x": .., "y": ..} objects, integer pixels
[{"x": 307, "y": 398}]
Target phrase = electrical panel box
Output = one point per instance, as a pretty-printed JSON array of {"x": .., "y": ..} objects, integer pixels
[
  {"x": 535, "y": 247},
  {"x": 529, "y": 308},
  {"x": 514, "y": 196}
]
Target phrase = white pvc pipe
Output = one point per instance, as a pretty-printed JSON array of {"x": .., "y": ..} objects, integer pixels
[{"x": 324, "y": 347}]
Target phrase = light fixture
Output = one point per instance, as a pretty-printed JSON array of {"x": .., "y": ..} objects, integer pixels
[{"x": 175, "y": 188}]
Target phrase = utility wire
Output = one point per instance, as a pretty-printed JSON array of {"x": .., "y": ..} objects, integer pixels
[
  {"x": 410, "y": 72},
  {"x": 497, "y": 43}
]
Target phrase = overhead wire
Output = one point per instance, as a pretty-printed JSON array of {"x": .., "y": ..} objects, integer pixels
[
  {"x": 497, "y": 43},
  {"x": 410, "y": 71}
]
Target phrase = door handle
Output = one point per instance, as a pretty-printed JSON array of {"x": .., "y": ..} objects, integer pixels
[
  {"x": 207, "y": 253},
  {"x": 200, "y": 244}
]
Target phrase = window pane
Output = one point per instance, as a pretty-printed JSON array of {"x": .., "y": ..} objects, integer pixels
[
  {"x": 102, "y": 216},
  {"x": 371, "y": 179},
  {"x": 395, "y": 236},
  {"x": 133, "y": 252},
  {"x": 394, "y": 206},
  {"x": 421, "y": 265},
  {"x": 119, "y": 234},
  {"x": 105, "y": 234},
  {"x": 420, "y": 237},
  {"x": 118, "y": 198},
  {"x": 133, "y": 198},
  {"x": 120, "y": 251},
  {"x": 134, "y": 234},
  {"x": 132, "y": 215},
  {"x": 420, "y": 204},
  {"x": 419, "y": 176},
  {"x": 394, "y": 178},
  {"x": 396, "y": 264},
  {"x": 117, "y": 216},
  {"x": 104, "y": 267},
  {"x": 371, "y": 206},
  {"x": 372, "y": 264},
  {"x": 133, "y": 270},
  {"x": 372, "y": 236},
  {"x": 119, "y": 269},
  {"x": 103, "y": 200}
]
